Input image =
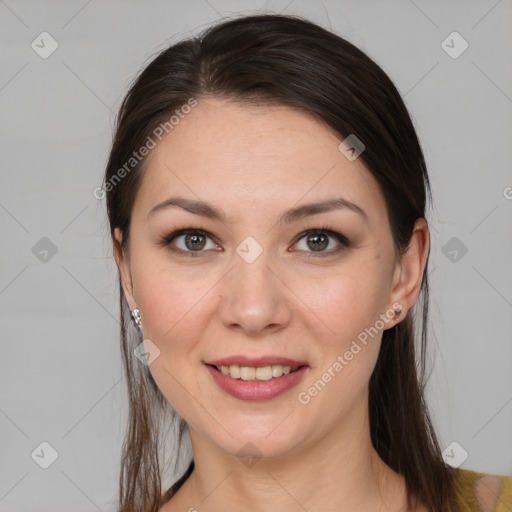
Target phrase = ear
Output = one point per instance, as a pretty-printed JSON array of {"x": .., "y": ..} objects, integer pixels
[
  {"x": 408, "y": 273},
  {"x": 123, "y": 265}
]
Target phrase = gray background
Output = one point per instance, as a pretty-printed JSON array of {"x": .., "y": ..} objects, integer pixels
[{"x": 61, "y": 377}]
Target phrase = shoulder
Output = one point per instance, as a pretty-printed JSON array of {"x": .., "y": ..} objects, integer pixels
[{"x": 483, "y": 492}]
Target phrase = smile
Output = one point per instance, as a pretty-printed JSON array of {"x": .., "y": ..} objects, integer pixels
[{"x": 256, "y": 383}]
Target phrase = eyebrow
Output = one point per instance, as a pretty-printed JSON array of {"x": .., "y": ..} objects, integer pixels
[{"x": 205, "y": 209}]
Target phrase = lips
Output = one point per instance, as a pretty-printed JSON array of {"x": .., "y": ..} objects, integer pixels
[
  {"x": 257, "y": 390},
  {"x": 288, "y": 373}
]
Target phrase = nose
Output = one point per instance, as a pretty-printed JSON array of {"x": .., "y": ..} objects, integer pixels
[{"x": 255, "y": 299}]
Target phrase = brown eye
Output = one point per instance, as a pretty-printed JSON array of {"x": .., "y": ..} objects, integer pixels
[
  {"x": 188, "y": 242},
  {"x": 195, "y": 242},
  {"x": 317, "y": 240}
]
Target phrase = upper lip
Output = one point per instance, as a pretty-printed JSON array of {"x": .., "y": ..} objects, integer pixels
[{"x": 257, "y": 361}]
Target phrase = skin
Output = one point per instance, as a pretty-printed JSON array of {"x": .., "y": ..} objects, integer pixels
[{"x": 254, "y": 163}]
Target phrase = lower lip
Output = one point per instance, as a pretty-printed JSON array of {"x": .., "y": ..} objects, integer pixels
[{"x": 257, "y": 389}]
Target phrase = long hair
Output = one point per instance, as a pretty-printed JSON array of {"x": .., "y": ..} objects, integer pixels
[{"x": 288, "y": 61}]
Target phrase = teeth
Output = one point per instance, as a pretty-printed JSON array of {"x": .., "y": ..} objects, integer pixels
[
  {"x": 246, "y": 373},
  {"x": 259, "y": 373}
]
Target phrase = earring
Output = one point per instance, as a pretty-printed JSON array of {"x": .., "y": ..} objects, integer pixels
[
  {"x": 398, "y": 312},
  {"x": 136, "y": 317}
]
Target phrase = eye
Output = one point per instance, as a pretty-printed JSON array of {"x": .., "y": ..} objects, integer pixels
[
  {"x": 189, "y": 241},
  {"x": 317, "y": 240}
]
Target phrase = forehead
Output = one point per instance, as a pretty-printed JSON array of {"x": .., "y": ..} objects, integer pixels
[{"x": 235, "y": 154}]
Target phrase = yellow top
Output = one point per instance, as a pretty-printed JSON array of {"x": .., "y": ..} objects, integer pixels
[{"x": 483, "y": 492}]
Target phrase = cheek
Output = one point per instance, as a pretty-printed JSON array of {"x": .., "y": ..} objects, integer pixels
[
  {"x": 173, "y": 318},
  {"x": 347, "y": 331},
  {"x": 171, "y": 305},
  {"x": 345, "y": 328},
  {"x": 346, "y": 302}
]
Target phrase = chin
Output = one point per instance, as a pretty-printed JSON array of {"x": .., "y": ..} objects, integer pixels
[{"x": 258, "y": 444}]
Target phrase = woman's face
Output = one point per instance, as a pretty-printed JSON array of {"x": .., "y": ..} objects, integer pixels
[{"x": 257, "y": 285}]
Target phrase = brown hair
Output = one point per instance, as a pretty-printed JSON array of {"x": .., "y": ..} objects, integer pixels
[{"x": 286, "y": 60}]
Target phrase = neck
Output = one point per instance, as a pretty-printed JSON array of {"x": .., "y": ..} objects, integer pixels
[{"x": 341, "y": 471}]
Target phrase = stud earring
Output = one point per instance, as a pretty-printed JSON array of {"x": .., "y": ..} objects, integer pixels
[
  {"x": 398, "y": 312},
  {"x": 136, "y": 317}
]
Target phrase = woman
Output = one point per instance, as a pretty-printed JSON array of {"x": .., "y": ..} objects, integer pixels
[{"x": 266, "y": 194}]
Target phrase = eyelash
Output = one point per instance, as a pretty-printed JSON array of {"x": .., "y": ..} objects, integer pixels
[{"x": 344, "y": 242}]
